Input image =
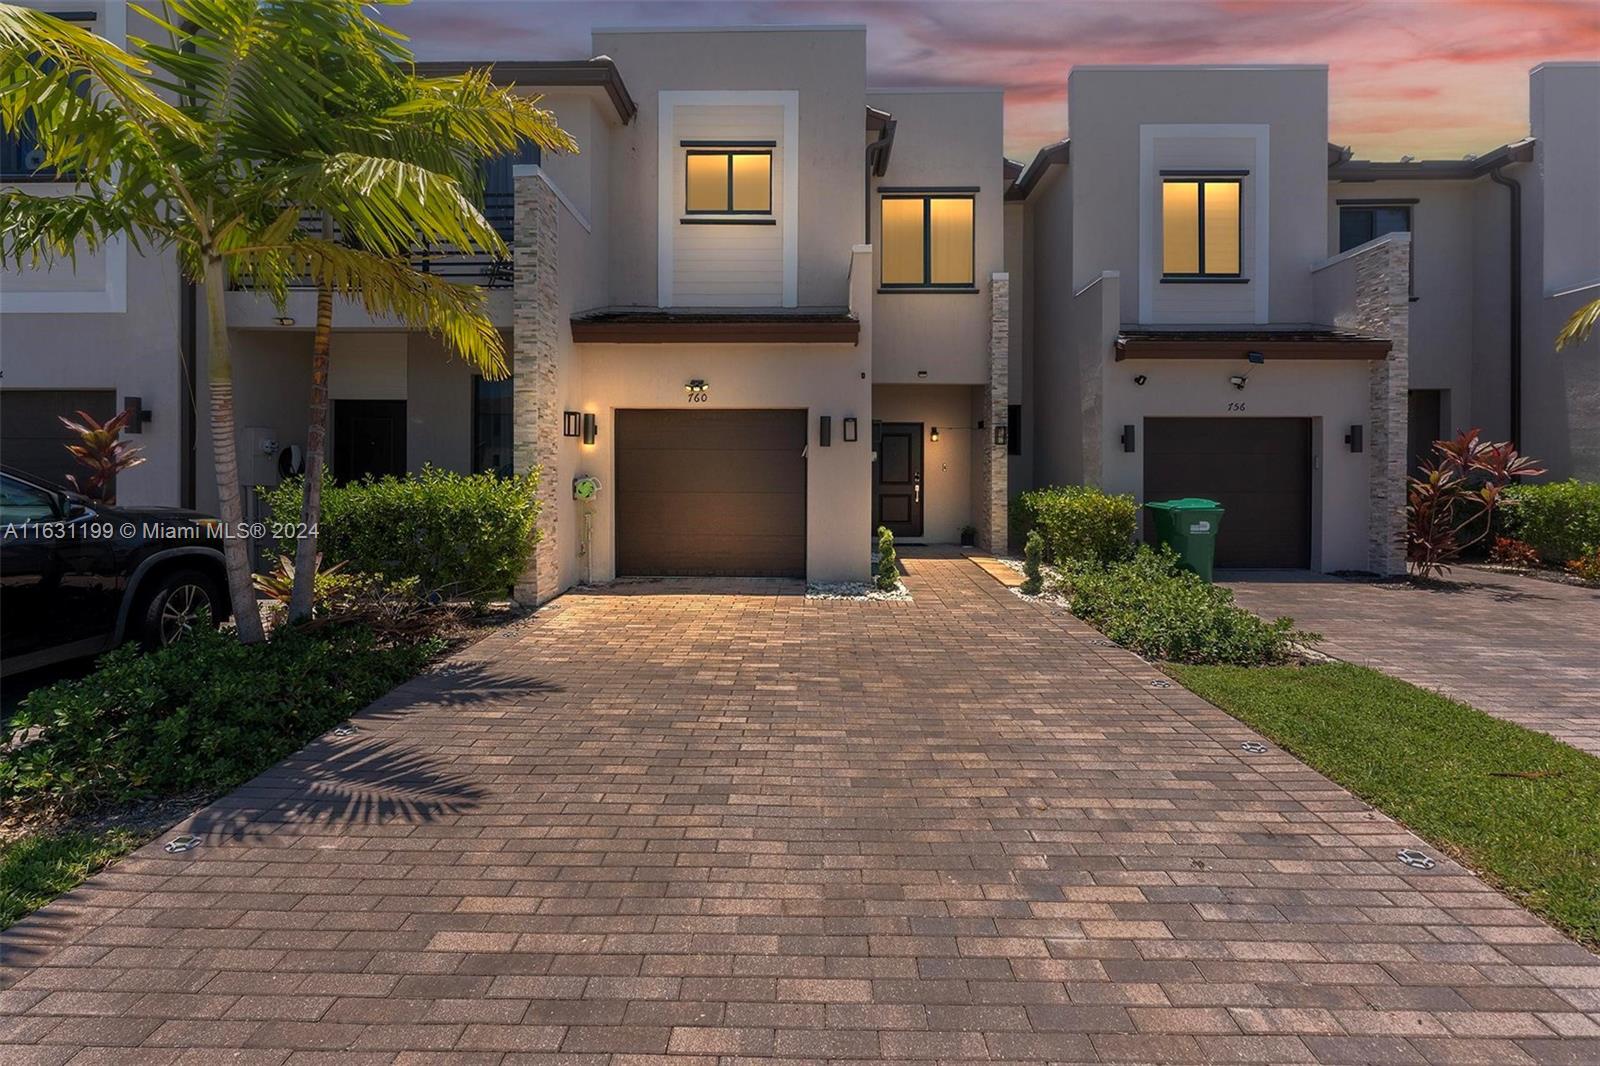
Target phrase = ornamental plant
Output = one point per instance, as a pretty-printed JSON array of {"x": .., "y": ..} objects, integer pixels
[
  {"x": 1078, "y": 522},
  {"x": 1032, "y": 564},
  {"x": 101, "y": 448},
  {"x": 888, "y": 578},
  {"x": 1559, "y": 518},
  {"x": 1452, "y": 504}
]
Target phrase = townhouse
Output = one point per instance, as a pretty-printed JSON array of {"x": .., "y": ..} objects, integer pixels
[{"x": 767, "y": 309}]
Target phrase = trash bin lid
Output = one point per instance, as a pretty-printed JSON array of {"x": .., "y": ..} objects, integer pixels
[{"x": 1188, "y": 503}]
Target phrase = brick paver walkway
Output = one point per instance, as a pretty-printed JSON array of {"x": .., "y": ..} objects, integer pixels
[
  {"x": 1520, "y": 648},
  {"x": 656, "y": 822}
]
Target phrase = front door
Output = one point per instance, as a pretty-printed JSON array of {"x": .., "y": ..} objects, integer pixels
[
  {"x": 897, "y": 488},
  {"x": 369, "y": 437}
]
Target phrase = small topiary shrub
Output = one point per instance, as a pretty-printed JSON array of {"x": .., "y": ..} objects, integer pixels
[
  {"x": 1033, "y": 564},
  {"x": 204, "y": 713},
  {"x": 888, "y": 578},
  {"x": 1153, "y": 606},
  {"x": 465, "y": 536},
  {"x": 1078, "y": 522},
  {"x": 1561, "y": 519}
]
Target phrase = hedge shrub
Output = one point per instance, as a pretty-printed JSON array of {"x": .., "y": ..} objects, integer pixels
[
  {"x": 464, "y": 536},
  {"x": 1561, "y": 519},
  {"x": 1153, "y": 606},
  {"x": 205, "y": 713},
  {"x": 1078, "y": 522}
]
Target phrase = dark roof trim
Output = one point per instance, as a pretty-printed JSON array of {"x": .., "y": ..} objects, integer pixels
[
  {"x": 1010, "y": 168},
  {"x": 667, "y": 326},
  {"x": 1238, "y": 344},
  {"x": 599, "y": 71},
  {"x": 1433, "y": 169},
  {"x": 878, "y": 151},
  {"x": 1048, "y": 156},
  {"x": 877, "y": 118}
]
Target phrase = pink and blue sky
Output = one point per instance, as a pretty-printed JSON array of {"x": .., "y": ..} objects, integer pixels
[{"x": 1436, "y": 79}]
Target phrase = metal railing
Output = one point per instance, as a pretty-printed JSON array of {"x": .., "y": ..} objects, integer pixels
[{"x": 468, "y": 266}]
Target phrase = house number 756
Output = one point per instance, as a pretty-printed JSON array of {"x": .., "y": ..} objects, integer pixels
[{"x": 1236, "y": 405}]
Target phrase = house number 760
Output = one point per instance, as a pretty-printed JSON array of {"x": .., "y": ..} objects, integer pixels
[{"x": 699, "y": 397}]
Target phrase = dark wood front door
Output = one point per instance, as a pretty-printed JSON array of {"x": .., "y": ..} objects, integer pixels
[
  {"x": 897, "y": 489},
  {"x": 711, "y": 493},
  {"x": 1259, "y": 469},
  {"x": 369, "y": 437}
]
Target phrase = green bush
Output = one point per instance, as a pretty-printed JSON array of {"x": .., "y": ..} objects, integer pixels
[
  {"x": 888, "y": 578},
  {"x": 1561, "y": 519},
  {"x": 460, "y": 535},
  {"x": 1033, "y": 564},
  {"x": 205, "y": 713},
  {"x": 1153, "y": 606},
  {"x": 1077, "y": 522}
]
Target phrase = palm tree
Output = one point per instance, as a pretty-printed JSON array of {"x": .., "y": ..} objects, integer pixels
[
  {"x": 222, "y": 175},
  {"x": 1580, "y": 325}
]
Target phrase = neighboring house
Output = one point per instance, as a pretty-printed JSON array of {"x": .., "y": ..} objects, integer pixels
[
  {"x": 770, "y": 309},
  {"x": 1225, "y": 305}
]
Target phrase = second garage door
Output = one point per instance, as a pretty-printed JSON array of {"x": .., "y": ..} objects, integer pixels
[
  {"x": 1259, "y": 469},
  {"x": 711, "y": 492}
]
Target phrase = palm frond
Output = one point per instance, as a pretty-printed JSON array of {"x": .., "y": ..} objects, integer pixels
[
  {"x": 38, "y": 231},
  {"x": 1580, "y": 325}
]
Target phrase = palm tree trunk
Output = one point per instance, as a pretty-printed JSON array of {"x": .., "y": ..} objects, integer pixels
[
  {"x": 219, "y": 382},
  {"x": 305, "y": 549}
]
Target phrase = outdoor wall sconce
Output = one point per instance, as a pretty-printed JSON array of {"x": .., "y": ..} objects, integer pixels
[
  {"x": 285, "y": 320},
  {"x": 591, "y": 428},
  {"x": 1353, "y": 438},
  {"x": 849, "y": 431},
  {"x": 933, "y": 434},
  {"x": 137, "y": 415},
  {"x": 571, "y": 423},
  {"x": 1139, "y": 379},
  {"x": 1000, "y": 435},
  {"x": 1127, "y": 438},
  {"x": 825, "y": 431},
  {"x": 696, "y": 387}
]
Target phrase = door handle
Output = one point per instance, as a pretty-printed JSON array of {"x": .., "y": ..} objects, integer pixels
[{"x": 916, "y": 488}]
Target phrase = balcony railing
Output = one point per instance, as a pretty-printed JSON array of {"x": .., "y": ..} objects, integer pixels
[{"x": 470, "y": 266}]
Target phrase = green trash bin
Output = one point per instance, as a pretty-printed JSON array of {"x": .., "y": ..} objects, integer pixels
[{"x": 1189, "y": 526}]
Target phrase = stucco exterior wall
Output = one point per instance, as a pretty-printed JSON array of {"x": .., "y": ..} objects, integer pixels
[
  {"x": 1057, "y": 388},
  {"x": 947, "y": 463}
]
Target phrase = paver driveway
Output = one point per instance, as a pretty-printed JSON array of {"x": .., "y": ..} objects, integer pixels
[
  {"x": 1520, "y": 648},
  {"x": 651, "y": 823}
]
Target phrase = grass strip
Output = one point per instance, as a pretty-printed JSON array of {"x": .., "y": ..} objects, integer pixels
[
  {"x": 1519, "y": 806},
  {"x": 36, "y": 869}
]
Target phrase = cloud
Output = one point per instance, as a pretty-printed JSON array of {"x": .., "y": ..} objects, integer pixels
[{"x": 1427, "y": 77}]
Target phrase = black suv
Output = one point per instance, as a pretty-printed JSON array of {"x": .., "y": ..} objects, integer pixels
[{"x": 79, "y": 577}]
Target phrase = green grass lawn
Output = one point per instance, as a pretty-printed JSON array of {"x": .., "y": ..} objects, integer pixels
[
  {"x": 1519, "y": 806},
  {"x": 34, "y": 870}
]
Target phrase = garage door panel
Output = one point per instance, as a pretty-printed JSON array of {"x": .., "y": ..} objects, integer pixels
[
  {"x": 1259, "y": 469},
  {"x": 32, "y": 438},
  {"x": 711, "y": 492}
]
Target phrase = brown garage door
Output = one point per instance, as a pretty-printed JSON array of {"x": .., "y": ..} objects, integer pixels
[
  {"x": 1259, "y": 469},
  {"x": 32, "y": 438},
  {"x": 711, "y": 492}
]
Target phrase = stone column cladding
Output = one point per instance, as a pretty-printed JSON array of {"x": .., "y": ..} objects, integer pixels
[
  {"x": 993, "y": 503},
  {"x": 1383, "y": 309},
  {"x": 536, "y": 415}
]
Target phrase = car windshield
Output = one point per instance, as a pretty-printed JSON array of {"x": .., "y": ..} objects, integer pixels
[{"x": 21, "y": 502}]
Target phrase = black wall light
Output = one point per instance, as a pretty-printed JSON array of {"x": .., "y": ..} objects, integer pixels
[
  {"x": 591, "y": 428},
  {"x": 850, "y": 431},
  {"x": 571, "y": 423},
  {"x": 1127, "y": 438},
  {"x": 1353, "y": 438},
  {"x": 825, "y": 430},
  {"x": 137, "y": 415}
]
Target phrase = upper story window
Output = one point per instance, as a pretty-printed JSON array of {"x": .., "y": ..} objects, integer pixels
[
  {"x": 1360, "y": 223},
  {"x": 728, "y": 180},
  {"x": 1200, "y": 227},
  {"x": 21, "y": 158},
  {"x": 927, "y": 240}
]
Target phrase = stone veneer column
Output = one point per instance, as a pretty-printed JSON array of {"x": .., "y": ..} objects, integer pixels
[
  {"x": 536, "y": 418},
  {"x": 1383, "y": 309},
  {"x": 993, "y": 503}
]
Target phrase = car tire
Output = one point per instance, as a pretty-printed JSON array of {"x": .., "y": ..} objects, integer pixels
[{"x": 175, "y": 606}]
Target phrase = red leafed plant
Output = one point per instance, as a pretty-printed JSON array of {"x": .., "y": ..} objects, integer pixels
[
  {"x": 100, "y": 448},
  {"x": 1509, "y": 551},
  {"x": 1451, "y": 505}
]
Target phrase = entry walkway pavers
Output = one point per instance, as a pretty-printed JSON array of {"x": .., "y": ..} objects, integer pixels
[
  {"x": 664, "y": 819},
  {"x": 1520, "y": 648}
]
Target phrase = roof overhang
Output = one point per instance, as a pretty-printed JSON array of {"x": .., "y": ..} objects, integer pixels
[
  {"x": 660, "y": 325},
  {"x": 599, "y": 72},
  {"x": 1433, "y": 169},
  {"x": 1320, "y": 344},
  {"x": 1048, "y": 156}
]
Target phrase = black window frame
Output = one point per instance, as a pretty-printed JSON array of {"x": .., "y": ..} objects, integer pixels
[
  {"x": 478, "y": 382},
  {"x": 12, "y": 142},
  {"x": 729, "y": 213},
  {"x": 1200, "y": 179},
  {"x": 1014, "y": 429},
  {"x": 1371, "y": 208},
  {"x": 927, "y": 196}
]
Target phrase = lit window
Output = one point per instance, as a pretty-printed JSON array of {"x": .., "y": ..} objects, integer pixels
[
  {"x": 1200, "y": 228},
  {"x": 927, "y": 241},
  {"x": 725, "y": 183}
]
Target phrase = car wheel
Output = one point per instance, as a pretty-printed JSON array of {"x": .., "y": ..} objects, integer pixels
[{"x": 180, "y": 601}]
